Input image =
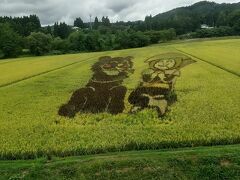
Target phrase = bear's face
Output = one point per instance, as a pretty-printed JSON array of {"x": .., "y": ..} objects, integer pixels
[
  {"x": 116, "y": 67},
  {"x": 113, "y": 68}
]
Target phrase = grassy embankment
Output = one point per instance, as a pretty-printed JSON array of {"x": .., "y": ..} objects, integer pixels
[{"x": 221, "y": 162}]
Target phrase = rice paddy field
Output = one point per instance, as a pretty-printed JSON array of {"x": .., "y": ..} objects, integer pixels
[{"x": 32, "y": 90}]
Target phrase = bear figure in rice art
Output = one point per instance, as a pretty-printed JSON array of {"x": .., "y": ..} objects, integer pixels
[
  {"x": 104, "y": 91},
  {"x": 156, "y": 89}
]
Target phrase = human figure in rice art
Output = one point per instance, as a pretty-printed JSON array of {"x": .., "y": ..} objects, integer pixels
[
  {"x": 156, "y": 89},
  {"x": 104, "y": 92}
]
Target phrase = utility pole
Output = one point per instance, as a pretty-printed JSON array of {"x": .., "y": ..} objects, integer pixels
[{"x": 90, "y": 15}]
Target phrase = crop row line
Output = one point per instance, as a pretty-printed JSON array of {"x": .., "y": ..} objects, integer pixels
[
  {"x": 45, "y": 72},
  {"x": 14, "y": 60},
  {"x": 213, "y": 64}
]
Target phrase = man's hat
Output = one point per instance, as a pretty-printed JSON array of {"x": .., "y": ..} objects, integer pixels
[{"x": 181, "y": 60}]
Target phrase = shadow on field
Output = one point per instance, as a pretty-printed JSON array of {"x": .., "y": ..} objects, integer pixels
[{"x": 104, "y": 91}]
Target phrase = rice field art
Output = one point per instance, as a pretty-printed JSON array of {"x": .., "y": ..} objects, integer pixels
[
  {"x": 156, "y": 89},
  {"x": 104, "y": 92},
  {"x": 196, "y": 102}
]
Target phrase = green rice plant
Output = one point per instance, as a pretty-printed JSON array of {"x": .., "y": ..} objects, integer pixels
[
  {"x": 16, "y": 70},
  {"x": 206, "y": 113},
  {"x": 222, "y": 53}
]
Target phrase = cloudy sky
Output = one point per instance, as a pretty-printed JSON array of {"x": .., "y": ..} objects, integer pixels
[{"x": 51, "y": 11}]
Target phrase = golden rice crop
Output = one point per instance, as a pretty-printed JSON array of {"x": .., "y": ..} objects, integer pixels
[{"x": 207, "y": 111}]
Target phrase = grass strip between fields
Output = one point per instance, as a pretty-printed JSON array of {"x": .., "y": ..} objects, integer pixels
[
  {"x": 213, "y": 64},
  {"x": 45, "y": 72},
  {"x": 217, "y": 162}
]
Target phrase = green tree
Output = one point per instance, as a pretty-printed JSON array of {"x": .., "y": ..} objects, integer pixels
[
  {"x": 149, "y": 22},
  {"x": 105, "y": 21},
  {"x": 106, "y": 42},
  {"x": 222, "y": 19},
  {"x": 61, "y": 30},
  {"x": 125, "y": 39},
  {"x": 96, "y": 23},
  {"x": 92, "y": 41},
  {"x": 39, "y": 43},
  {"x": 234, "y": 21},
  {"x": 60, "y": 45},
  {"x": 79, "y": 23},
  {"x": 76, "y": 41},
  {"x": 10, "y": 42},
  {"x": 138, "y": 39},
  {"x": 49, "y": 30}
]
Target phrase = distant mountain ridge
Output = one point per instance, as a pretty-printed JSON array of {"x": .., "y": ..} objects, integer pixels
[{"x": 190, "y": 18}]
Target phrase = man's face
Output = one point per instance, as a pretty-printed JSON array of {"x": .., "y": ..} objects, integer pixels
[{"x": 165, "y": 64}]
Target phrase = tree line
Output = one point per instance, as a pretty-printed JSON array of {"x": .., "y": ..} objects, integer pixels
[
  {"x": 16, "y": 39},
  {"x": 25, "y": 35}
]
